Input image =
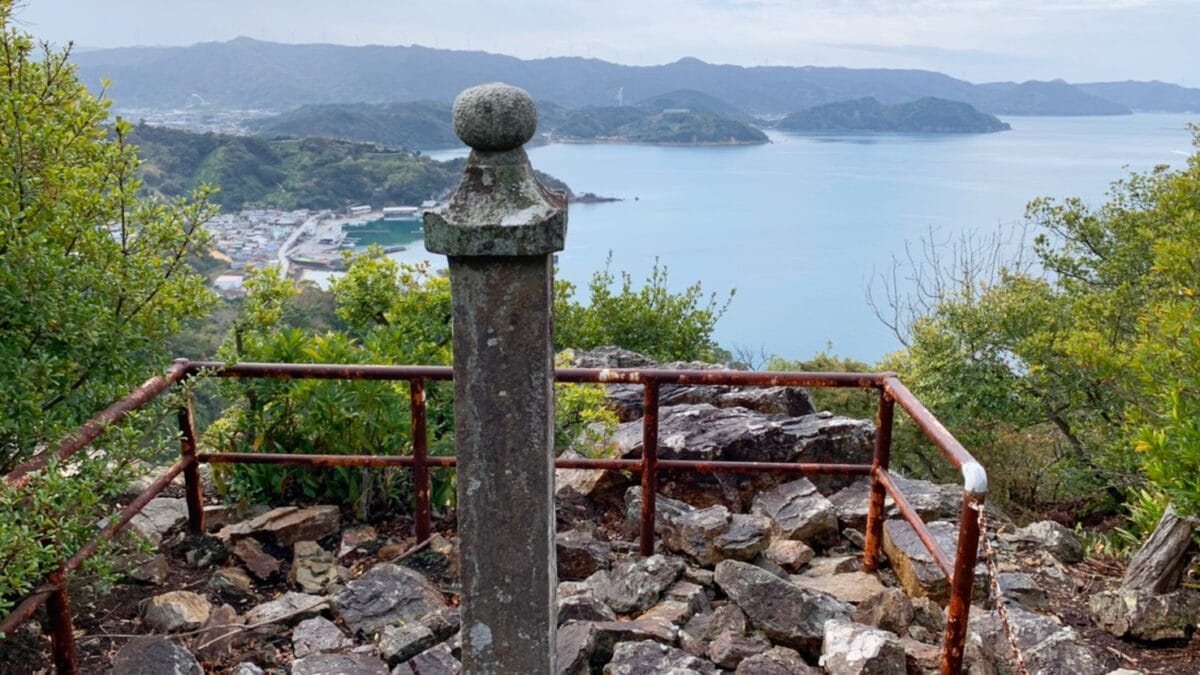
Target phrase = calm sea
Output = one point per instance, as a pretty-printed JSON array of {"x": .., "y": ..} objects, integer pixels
[{"x": 799, "y": 226}]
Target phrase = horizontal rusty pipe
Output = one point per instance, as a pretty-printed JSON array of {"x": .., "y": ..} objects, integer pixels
[
  {"x": 364, "y": 461},
  {"x": 93, "y": 428},
  {"x": 325, "y": 371},
  {"x": 24, "y": 611},
  {"x": 319, "y": 371},
  {"x": 918, "y": 525},
  {"x": 744, "y": 378}
]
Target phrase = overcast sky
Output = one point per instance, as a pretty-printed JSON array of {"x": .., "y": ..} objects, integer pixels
[{"x": 978, "y": 40}]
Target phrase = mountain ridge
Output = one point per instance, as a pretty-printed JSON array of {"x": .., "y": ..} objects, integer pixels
[{"x": 249, "y": 73}]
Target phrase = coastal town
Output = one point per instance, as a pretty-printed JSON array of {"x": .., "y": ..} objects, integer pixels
[{"x": 297, "y": 240}]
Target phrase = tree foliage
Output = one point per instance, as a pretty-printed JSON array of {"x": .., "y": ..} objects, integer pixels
[
  {"x": 1079, "y": 377},
  {"x": 93, "y": 279},
  {"x": 652, "y": 319}
]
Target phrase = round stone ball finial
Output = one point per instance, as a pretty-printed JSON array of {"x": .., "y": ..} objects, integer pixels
[{"x": 495, "y": 117}]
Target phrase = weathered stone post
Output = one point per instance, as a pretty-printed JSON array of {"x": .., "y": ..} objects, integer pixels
[{"x": 499, "y": 230}]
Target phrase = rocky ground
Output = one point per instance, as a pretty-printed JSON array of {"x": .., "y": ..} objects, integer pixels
[{"x": 754, "y": 575}]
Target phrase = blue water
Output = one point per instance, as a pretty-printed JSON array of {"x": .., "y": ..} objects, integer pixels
[{"x": 799, "y": 226}]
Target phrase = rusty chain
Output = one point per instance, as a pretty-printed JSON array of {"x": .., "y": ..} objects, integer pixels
[{"x": 989, "y": 556}]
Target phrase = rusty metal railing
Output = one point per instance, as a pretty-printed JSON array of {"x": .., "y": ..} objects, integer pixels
[{"x": 960, "y": 572}]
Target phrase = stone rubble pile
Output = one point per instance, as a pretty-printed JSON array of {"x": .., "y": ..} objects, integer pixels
[{"x": 753, "y": 577}]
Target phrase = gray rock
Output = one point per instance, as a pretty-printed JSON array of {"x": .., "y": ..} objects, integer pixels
[
  {"x": 589, "y": 485},
  {"x": 644, "y": 657},
  {"x": 1048, "y": 647},
  {"x": 1146, "y": 616},
  {"x": 219, "y": 635},
  {"x": 691, "y": 594},
  {"x": 177, "y": 610},
  {"x": 317, "y": 635},
  {"x": 154, "y": 656},
  {"x": 929, "y": 621},
  {"x": 889, "y": 609},
  {"x": 579, "y": 555},
  {"x": 583, "y": 607},
  {"x": 915, "y": 567},
  {"x": 789, "y": 555},
  {"x": 315, "y": 570},
  {"x": 385, "y": 594},
  {"x": 787, "y": 401},
  {"x": 247, "y": 668},
  {"x": 797, "y": 511},
  {"x": 404, "y": 640},
  {"x": 288, "y": 609},
  {"x": 930, "y": 500},
  {"x": 1052, "y": 537},
  {"x": 437, "y": 660},
  {"x": 776, "y": 661},
  {"x": 260, "y": 563},
  {"x": 730, "y": 649},
  {"x": 854, "y": 649},
  {"x": 339, "y": 664},
  {"x": 704, "y": 432},
  {"x": 153, "y": 571},
  {"x": 356, "y": 541},
  {"x": 851, "y": 587},
  {"x": 1020, "y": 588},
  {"x": 634, "y": 585},
  {"x": 823, "y": 566},
  {"x": 160, "y": 517},
  {"x": 788, "y": 614},
  {"x": 671, "y": 611},
  {"x": 201, "y": 551},
  {"x": 584, "y": 645},
  {"x": 287, "y": 525},
  {"x": 231, "y": 582},
  {"x": 709, "y": 535},
  {"x": 443, "y": 623}
]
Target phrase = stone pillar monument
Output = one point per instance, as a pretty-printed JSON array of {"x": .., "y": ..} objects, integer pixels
[{"x": 499, "y": 230}]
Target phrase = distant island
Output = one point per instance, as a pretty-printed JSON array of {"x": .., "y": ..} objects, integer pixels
[{"x": 925, "y": 115}]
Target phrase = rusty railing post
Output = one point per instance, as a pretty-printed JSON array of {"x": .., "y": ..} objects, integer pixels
[
  {"x": 963, "y": 581},
  {"x": 883, "y": 455},
  {"x": 499, "y": 230},
  {"x": 649, "y": 466},
  {"x": 193, "y": 489},
  {"x": 420, "y": 469},
  {"x": 62, "y": 628}
]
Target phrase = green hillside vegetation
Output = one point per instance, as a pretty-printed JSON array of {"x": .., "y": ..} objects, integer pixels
[
  {"x": 926, "y": 115},
  {"x": 405, "y": 125},
  {"x": 291, "y": 173},
  {"x": 695, "y": 100},
  {"x": 632, "y": 124}
]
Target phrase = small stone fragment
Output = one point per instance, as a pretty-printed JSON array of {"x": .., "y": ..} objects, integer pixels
[
  {"x": 1020, "y": 588},
  {"x": 730, "y": 649},
  {"x": 579, "y": 555},
  {"x": 639, "y": 658},
  {"x": 176, "y": 610},
  {"x": 219, "y": 634},
  {"x": 437, "y": 660},
  {"x": 154, "y": 571},
  {"x": 889, "y": 609},
  {"x": 232, "y": 582},
  {"x": 261, "y": 564},
  {"x": 634, "y": 585},
  {"x": 1053, "y": 537},
  {"x": 355, "y": 540},
  {"x": 854, "y": 649},
  {"x": 583, "y": 607},
  {"x": 314, "y": 570},
  {"x": 385, "y": 594},
  {"x": 154, "y": 655},
  {"x": 339, "y": 664},
  {"x": 798, "y": 511},
  {"x": 404, "y": 640},
  {"x": 776, "y": 661},
  {"x": 287, "y": 610},
  {"x": 851, "y": 587},
  {"x": 316, "y": 635},
  {"x": 789, "y": 554}
]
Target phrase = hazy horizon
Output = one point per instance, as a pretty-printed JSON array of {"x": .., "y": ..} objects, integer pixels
[{"x": 975, "y": 40}]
